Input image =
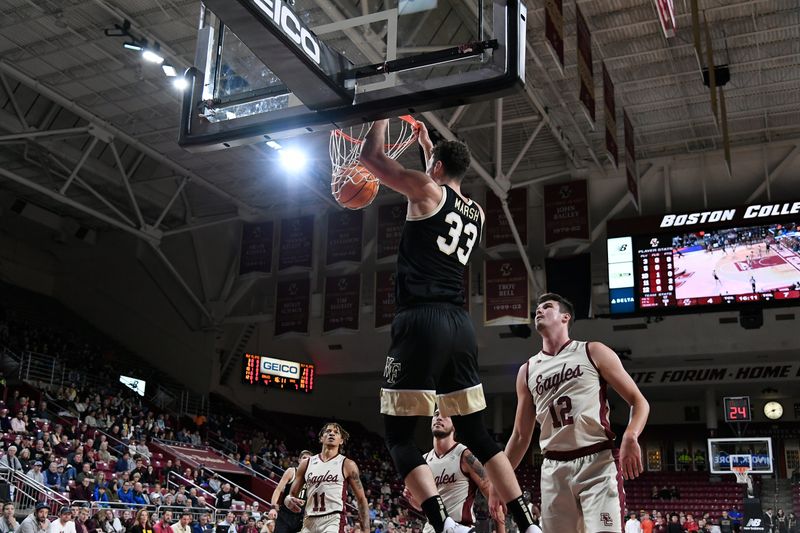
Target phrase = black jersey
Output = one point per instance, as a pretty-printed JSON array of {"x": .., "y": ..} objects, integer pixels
[
  {"x": 434, "y": 251},
  {"x": 288, "y": 488}
]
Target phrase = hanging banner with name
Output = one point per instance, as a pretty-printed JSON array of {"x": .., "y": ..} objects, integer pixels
[
  {"x": 384, "y": 297},
  {"x": 505, "y": 291},
  {"x": 345, "y": 230},
  {"x": 498, "y": 230},
  {"x": 631, "y": 172},
  {"x": 585, "y": 66},
  {"x": 704, "y": 375},
  {"x": 554, "y": 30},
  {"x": 292, "y": 306},
  {"x": 666, "y": 16},
  {"x": 390, "y": 227},
  {"x": 612, "y": 148},
  {"x": 297, "y": 242},
  {"x": 566, "y": 212},
  {"x": 342, "y": 302},
  {"x": 256, "y": 252}
]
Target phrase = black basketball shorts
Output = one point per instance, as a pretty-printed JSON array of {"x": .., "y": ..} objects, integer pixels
[
  {"x": 288, "y": 522},
  {"x": 432, "y": 362}
]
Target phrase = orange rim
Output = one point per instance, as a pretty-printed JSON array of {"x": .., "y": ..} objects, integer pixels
[{"x": 356, "y": 140}]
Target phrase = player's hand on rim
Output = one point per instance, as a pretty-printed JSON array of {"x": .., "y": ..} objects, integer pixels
[
  {"x": 630, "y": 457},
  {"x": 423, "y": 137}
]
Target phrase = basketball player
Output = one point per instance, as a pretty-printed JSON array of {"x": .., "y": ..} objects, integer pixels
[
  {"x": 433, "y": 357},
  {"x": 458, "y": 474},
  {"x": 287, "y": 521},
  {"x": 563, "y": 388},
  {"x": 325, "y": 476}
]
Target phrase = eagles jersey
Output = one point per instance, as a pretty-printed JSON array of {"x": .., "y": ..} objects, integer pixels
[
  {"x": 435, "y": 249},
  {"x": 571, "y": 402},
  {"x": 325, "y": 486},
  {"x": 455, "y": 487}
]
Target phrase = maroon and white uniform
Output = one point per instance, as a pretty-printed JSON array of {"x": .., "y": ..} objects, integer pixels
[
  {"x": 581, "y": 485},
  {"x": 455, "y": 487},
  {"x": 326, "y": 490}
]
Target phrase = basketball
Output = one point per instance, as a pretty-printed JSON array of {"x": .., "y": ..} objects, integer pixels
[{"x": 358, "y": 187}]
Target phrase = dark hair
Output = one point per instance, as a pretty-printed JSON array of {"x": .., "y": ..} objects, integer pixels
[
  {"x": 564, "y": 305},
  {"x": 455, "y": 158},
  {"x": 345, "y": 435}
]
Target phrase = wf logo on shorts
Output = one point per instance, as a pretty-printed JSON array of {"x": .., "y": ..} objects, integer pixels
[
  {"x": 606, "y": 519},
  {"x": 391, "y": 370}
]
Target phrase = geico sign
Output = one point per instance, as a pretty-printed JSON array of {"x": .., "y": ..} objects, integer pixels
[
  {"x": 279, "y": 367},
  {"x": 283, "y": 17}
]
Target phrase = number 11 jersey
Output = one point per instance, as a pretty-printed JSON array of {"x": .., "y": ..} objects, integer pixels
[
  {"x": 325, "y": 486},
  {"x": 571, "y": 402},
  {"x": 434, "y": 251}
]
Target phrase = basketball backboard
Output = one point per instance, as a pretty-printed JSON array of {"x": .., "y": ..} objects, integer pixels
[
  {"x": 755, "y": 452},
  {"x": 271, "y": 69}
]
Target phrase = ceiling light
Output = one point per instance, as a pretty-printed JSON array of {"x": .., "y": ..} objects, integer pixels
[
  {"x": 132, "y": 45},
  {"x": 274, "y": 145},
  {"x": 169, "y": 70},
  {"x": 180, "y": 83},
  {"x": 152, "y": 56},
  {"x": 292, "y": 159}
]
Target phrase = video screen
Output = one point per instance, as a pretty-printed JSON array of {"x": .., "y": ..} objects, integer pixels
[{"x": 135, "y": 384}]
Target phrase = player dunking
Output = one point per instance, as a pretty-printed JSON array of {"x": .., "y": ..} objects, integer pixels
[
  {"x": 287, "y": 521},
  {"x": 433, "y": 354},
  {"x": 324, "y": 476},
  {"x": 563, "y": 388}
]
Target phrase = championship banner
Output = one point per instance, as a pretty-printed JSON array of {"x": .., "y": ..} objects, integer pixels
[
  {"x": 666, "y": 16},
  {"x": 384, "y": 297},
  {"x": 345, "y": 230},
  {"x": 390, "y": 227},
  {"x": 497, "y": 229},
  {"x": 256, "y": 252},
  {"x": 631, "y": 172},
  {"x": 201, "y": 456},
  {"x": 566, "y": 212},
  {"x": 505, "y": 292},
  {"x": 705, "y": 375},
  {"x": 292, "y": 306},
  {"x": 554, "y": 30},
  {"x": 610, "y": 111},
  {"x": 585, "y": 67},
  {"x": 297, "y": 242},
  {"x": 342, "y": 302}
]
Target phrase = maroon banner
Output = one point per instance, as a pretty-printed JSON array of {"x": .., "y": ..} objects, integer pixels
[
  {"x": 342, "y": 302},
  {"x": 505, "y": 290},
  {"x": 497, "y": 229},
  {"x": 384, "y": 297},
  {"x": 197, "y": 457},
  {"x": 585, "y": 66},
  {"x": 631, "y": 172},
  {"x": 554, "y": 30},
  {"x": 666, "y": 15},
  {"x": 390, "y": 226},
  {"x": 292, "y": 306},
  {"x": 612, "y": 148},
  {"x": 297, "y": 242},
  {"x": 256, "y": 252},
  {"x": 566, "y": 211},
  {"x": 345, "y": 230}
]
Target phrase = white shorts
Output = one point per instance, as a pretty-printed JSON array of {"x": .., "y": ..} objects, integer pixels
[
  {"x": 329, "y": 523},
  {"x": 584, "y": 495}
]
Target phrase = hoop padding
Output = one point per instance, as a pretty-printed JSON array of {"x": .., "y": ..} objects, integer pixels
[{"x": 345, "y": 149}]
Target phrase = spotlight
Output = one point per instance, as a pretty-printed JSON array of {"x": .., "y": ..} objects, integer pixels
[
  {"x": 292, "y": 159},
  {"x": 180, "y": 83},
  {"x": 153, "y": 55},
  {"x": 132, "y": 45},
  {"x": 169, "y": 70},
  {"x": 274, "y": 145}
]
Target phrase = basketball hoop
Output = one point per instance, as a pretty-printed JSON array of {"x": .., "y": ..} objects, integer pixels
[
  {"x": 741, "y": 473},
  {"x": 345, "y": 149}
]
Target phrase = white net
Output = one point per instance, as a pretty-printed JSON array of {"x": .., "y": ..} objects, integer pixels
[
  {"x": 741, "y": 474},
  {"x": 345, "y": 148}
]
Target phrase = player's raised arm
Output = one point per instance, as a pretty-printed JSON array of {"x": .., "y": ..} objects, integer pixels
[
  {"x": 413, "y": 184},
  {"x": 354, "y": 479},
  {"x": 292, "y": 502},
  {"x": 524, "y": 420},
  {"x": 611, "y": 369}
]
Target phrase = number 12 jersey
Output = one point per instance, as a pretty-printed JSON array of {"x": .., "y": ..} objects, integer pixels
[{"x": 435, "y": 249}]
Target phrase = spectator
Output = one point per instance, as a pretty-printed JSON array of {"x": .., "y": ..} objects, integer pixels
[
  {"x": 100, "y": 495},
  {"x": 690, "y": 525},
  {"x": 82, "y": 492},
  {"x": 36, "y": 474},
  {"x": 102, "y": 453},
  {"x": 55, "y": 479},
  {"x": 142, "y": 523},
  {"x": 646, "y": 523},
  {"x": 224, "y": 497},
  {"x": 249, "y": 527},
  {"x": 123, "y": 464},
  {"x": 139, "y": 497},
  {"x": 86, "y": 472},
  {"x": 674, "y": 493},
  {"x": 214, "y": 484},
  {"x": 664, "y": 493},
  {"x": 126, "y": 495},
  {"x": 781, "y": 522},
  {"x": 81, "y": 524},
  {"x": 228, "y": 525},
  {"x": 660, "y": 525},
  {"x": 18, "y": 424},
  {"x": 254, "y": 509},
  {"x": 164, "y": 525},
  {"x": 36, "y": 522},
  {"x": 182, "y": 526},
  {"x": 64, "y": 523},
  {"x": 8, "y": 523},
  {"x": 10, "y": 460},
  {"x": 675, "y": 525},
  {"x": 63, "y": 448},
  {"x": 203, "y": 525}
]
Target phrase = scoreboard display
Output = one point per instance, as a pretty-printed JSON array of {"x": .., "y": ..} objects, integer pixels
[
  {"x": 278, "y": 373},
  {"x": 737, "y": 409},
  {"x": 705, "y": 261}
]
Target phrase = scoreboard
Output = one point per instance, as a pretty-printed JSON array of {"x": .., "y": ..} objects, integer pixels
[{"x": 278, "y": 373}]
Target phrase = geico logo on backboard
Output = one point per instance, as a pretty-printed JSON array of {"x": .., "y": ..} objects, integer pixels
[
  {"x": 280, "y": 13},
  {"x": 279, "y": 367}
]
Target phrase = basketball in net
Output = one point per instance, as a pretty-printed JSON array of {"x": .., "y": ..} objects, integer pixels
[{"x": 352, "y": 185}]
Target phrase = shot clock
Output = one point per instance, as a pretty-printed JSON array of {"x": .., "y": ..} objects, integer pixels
[{"x": 737, "y": 409}]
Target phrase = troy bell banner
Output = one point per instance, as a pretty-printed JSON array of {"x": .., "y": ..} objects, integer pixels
[{"x": 506, "y": 299}]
